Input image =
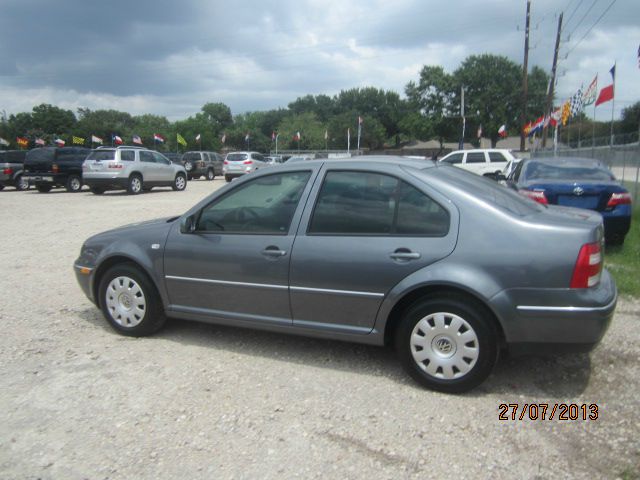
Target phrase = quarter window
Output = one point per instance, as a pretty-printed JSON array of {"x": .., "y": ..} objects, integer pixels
[{"x": 146, "y": 157}]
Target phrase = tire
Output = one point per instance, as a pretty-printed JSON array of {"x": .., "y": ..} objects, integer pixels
[
  {"x": 43, "y": 188},
  {"x": 227, "y": 178},
  {"x": 614, "y": 240},
  {"x": 21, "y": 183},
  {"x": 210, "y": 174},
  {"x": 130, "y": 302},
  {"x": 447, "y": 343},
  {"x": 135, "y": 185},
  {"x": 74, "y": 184},
  {"x": 97, "y": 190},
  {"x": 189, "y": 177},
  {"x": 180, "y": 182}
]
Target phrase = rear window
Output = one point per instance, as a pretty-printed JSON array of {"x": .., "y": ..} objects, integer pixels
[
  {"x": 191, "y": 156},
  {"x": 236, "y": 157},
  {"x": 100, "y": 155},
  {"x": 545, "y": 171},
  {"x": 10, "y": 156}
]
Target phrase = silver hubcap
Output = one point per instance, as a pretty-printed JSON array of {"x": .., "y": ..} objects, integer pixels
[
  {"x": 136, "y": 184},
  {"x": 75, "y": 184},
  {"x": 444, "y": 345},
  {"x": 125, "y": 301},
  {"x": 180, "y": 182}
]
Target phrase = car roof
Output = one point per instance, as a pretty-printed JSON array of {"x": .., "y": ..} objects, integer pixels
[{"x": 374, "y": 160}]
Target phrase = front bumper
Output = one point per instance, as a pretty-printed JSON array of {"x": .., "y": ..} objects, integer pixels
[
  {"x": 84, "y": 276},
  {"x": 556, "y": 320}
]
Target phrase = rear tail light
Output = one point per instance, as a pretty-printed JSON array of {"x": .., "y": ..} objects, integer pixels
[
  {"x": 7, "y": 171},
  {"x": 248, "y": 162},
  {"x": 619, "y": 199},
  {"x": 226, "y": 162},
  {"x": 55, "y": 168},
  {"x": 537, "y": 195},
  {"x": 588, "y": 267}
]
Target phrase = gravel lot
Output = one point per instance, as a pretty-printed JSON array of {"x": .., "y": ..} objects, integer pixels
[{"x": 199, "y": 401}]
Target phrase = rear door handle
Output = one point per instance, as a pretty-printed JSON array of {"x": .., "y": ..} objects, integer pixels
[
  {"x": 273, "y": 251},
  {"x": 404, "y": 254}
]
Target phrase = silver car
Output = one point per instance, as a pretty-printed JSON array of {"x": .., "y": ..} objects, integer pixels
[
  {"x": 131, "y": 168},
  {"x": 237, "y": 164},
  {"x": 448, "y": 266}
]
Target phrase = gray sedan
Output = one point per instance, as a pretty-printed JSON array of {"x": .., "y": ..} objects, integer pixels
[{"x": 447, "y": 266}]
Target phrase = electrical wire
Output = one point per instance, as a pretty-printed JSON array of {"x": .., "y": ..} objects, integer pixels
[{"x": 592, "y": 26}]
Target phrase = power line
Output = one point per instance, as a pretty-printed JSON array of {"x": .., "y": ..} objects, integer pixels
[
  {"x": 582, "y": 19},
  {"x": 574, "y": 11},
  {"x": 592, "y": 26}
]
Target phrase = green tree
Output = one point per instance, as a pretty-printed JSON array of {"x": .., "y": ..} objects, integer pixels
[
  {"x": 218, "y": 115},
  {"x": 51, "y": 119},
  {"x": 310, "y": 128},
  {"x": 104, "y": 124},
  {"x": 630, "y": 119}
]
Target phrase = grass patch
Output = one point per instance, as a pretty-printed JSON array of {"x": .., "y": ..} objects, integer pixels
[{"x": 624, "y": 262}]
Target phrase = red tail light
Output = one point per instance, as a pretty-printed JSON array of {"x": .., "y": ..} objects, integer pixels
[
  {"x": 588, "y": 267},
  {"x": 248, "y": 162},
  {"x": 55, "y": 168},
  {"x": 226, "y": 162},
  {"x": 537, "y": 195},
  {"x": 7, "y": 171},
  {"x": 619, "y": 199}
]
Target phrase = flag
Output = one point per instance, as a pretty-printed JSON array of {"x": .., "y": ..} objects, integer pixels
[
  {"x": 158, "y": 138},
  {"x": 576, "y": 103},
  {"x": 612, "y": 71},
  {"x": 77, "y": 140},
  {"x": 638, "y": 56},
  {"x": 360, "y": 120},
  {"x": 4, "y": 142},
  {"x": 273, "y": 136},
  {"x": 480, "y": 131},
  {"x": 116, "y": 139},
  {"x": 527, "y": 128},
  {"x": 296, "y": 137},
  {"x": 502, "y": 131},
  {"x": 23, "y": 142},
  {"x": 555, "y": 117},
  {"x": 136, "y": 139},
  {"x": 589, "y": 95},
  {"x": 223, "y": 138},
  {"x": 95, "y": 139},
  {"x": 326, "y": 134},
  {"x": 566, "y": 112},
  {"x": 247, "y": 137},
  {"x": 180, "y": 139},
  {"x": 537, "y": 126},
  {"x": 605, "y": 95},
  {"x": 40, "y": 142},
  {"x": 198, "y": 138},
  {"x": 59, "y": 142}
]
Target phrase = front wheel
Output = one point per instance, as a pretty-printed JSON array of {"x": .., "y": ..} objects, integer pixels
[
  {"x": 447, "y": 343},
  {"x": 130, "y": 302},
  {"x": 180, "y": 182},
  {"x": 21, "y": 183},
  {"x": 210, "y": 174}
]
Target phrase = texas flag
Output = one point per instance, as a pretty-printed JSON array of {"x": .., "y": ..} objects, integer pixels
[
  {"x": 157, "y": 138},
  {"x": 502, "y": 131},
  {"x": 59, "y": 142}
]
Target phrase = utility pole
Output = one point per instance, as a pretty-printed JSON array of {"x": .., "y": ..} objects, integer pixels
[
  {"x": 525, "y": 69},
  {"x": 552, "y": 85}
]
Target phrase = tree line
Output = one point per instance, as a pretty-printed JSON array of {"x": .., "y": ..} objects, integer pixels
[{"x": 430, "y": 109}]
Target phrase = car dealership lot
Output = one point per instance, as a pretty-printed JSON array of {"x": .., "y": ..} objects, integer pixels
[{"x": 77, "y": 400}]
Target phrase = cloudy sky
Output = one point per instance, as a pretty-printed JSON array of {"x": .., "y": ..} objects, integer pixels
[{"x": 169, "y": 58}]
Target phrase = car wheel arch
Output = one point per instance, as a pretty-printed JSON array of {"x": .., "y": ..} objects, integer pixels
[{"x": 423, "y": 292}]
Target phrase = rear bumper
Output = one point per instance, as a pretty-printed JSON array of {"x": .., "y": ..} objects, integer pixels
[
  {"x": 106, "y": 183},
  {"x": 557, "y": 320},
  {"x": 46, "y": 178}
]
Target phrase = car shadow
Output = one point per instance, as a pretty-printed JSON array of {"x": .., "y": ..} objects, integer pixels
[{"x": 541, "y": 378}]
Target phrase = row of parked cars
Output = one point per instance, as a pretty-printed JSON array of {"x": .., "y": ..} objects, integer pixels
[{"x": 135, "y": 169}]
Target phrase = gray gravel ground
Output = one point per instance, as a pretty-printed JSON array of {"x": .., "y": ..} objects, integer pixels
[{"x": 200, "y": 401}]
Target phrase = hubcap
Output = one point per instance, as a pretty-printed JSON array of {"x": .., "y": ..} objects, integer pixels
[
  {"x": 180, "y": 182},
  {"x": 75, "y": 184},
  {"x": 23, "y": 183},
  {"x": 444, "y": 345},
  {"x": 136, "y": 185},
  {"x": 125, "y": 301}
]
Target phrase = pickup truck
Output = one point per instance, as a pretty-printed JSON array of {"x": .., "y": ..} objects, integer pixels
[{"x": 50, "y": 167}]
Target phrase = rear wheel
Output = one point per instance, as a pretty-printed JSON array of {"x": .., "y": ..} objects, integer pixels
[
  {"x": 134, "y": 186},
  {"x": 180, "y": 182},
  {"x": 74, "y": 184},
  {"x": 130, "y": 302},
  {"x": 21, "y": 183},
  {"x": 210, "y": 174},
  {"x": 43, "y": 188},
  {"x": 447, "y": 343},
  {"x": 227, "y": 178}
]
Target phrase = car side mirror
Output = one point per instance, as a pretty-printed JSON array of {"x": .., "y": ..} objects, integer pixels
[{"x": 188, "y": 224}]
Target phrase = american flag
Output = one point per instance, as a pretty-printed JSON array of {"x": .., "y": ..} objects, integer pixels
[{"x": 137, "y": 139}]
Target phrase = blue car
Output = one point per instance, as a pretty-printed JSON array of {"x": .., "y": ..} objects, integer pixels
[{"x": 577, "y": 182}]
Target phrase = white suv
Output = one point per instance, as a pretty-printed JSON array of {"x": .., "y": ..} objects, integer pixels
[
  {"x": 483, "y": 161},
  {"x": 237, "y": 164},
  {"x": 133, "y": 169}
]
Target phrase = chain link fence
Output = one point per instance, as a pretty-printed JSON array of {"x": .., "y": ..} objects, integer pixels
[{"x": 621, "y": 154}]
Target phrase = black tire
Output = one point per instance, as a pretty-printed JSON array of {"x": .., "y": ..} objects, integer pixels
[
  {"x": 130, "y": 302},
  {"x": 74, "y": 184},
  {"x": 180, "y": 182},
  {"x": 189, "y": 177},
  {"x": 227, "y": 178},
  {"x": 614, "y": 240},
  {"x": 43, "y": 188},
  {"x": 135, "y": 185},
  {"x": 20, "y": 183},
  {"x": 444, "y": 361},
  {"x": 97, "y": 190},
  {"x": 210, "y": 174}
]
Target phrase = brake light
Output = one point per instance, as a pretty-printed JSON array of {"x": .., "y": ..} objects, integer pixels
[
  {"x": 537, "y": 195},
  {"x": 7, "y": 171},
  {"x": 588, "y": 267},
  {"x": 226, "y": 162},
  {"x": 248, "y": 162},
  {"x": 55, "y": 168},
  {"x": 619, "y": 199}
]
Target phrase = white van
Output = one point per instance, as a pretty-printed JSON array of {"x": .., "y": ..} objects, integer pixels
[{"x": 482, "y": 161}]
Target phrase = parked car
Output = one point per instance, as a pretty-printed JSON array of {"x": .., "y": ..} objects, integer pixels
[
  {"x": 11, "y": 169},
  {"x": 173, "y": 156},
  {"x": 300, "y": 158},
  {"x": 237, "y": 164},
  {"x": 489, "y": 162},
  {"x": 199, "y": 164},
  {"x": 274, "y": 159},
  {"x": 49, "y": 167},
  {"x": 439, "y": 262},
  {"x": 134, "y": 169},
  {"x": 577, "y": 182}
]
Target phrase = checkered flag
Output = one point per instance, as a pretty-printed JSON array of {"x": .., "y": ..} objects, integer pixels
[{"x": 576, "y": 103}]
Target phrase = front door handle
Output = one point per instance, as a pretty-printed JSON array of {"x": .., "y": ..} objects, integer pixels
[
  {"x": 404, "y": 254},
  {"x": 273, "y": 251}
]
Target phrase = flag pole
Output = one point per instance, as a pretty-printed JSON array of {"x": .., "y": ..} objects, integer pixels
[
  {"x": 613, "y": 101},
  {"x": 593, "y": 132}
]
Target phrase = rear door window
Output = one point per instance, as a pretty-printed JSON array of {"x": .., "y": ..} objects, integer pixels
[
  {"x": 453, "y": 159},
  {"x": 475, "y": 157},
  {"x": 497, "y": 157},
  {"x": 146, "y": 157}
]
